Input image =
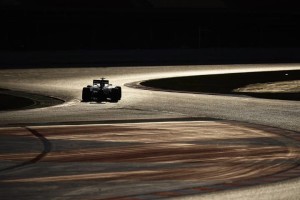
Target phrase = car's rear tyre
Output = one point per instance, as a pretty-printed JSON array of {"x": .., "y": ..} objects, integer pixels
[
  {"x": 116, "y": 94},
  {"x": 119, "y": 92},
  {"x": 86, "y": 94}
]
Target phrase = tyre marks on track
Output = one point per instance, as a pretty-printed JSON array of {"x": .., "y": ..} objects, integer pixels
[{"x": 185, "y": 158}]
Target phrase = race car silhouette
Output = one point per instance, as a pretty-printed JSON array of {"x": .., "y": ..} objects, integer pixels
[{"x": 101, "y": 91}]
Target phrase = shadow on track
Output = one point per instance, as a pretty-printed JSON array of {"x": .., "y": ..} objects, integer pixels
[{"x": 47, "y": 148}]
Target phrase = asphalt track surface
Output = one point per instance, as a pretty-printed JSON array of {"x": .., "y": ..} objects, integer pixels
[{"x": 150, "y": 145}]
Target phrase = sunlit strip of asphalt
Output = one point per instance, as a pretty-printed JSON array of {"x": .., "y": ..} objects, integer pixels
[{"x": 119, "y": 124}]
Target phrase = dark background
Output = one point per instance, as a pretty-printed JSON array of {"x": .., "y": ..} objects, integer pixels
[{"x": 97, "y": 25}]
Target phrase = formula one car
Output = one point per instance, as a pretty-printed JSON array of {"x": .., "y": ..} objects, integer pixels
[{"x": 101, "y": 91}]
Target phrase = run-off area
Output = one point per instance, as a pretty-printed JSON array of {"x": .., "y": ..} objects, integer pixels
[{"x": 131, "y": 159}]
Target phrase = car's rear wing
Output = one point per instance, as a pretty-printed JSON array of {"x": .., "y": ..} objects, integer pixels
[{"x": 95, "y": 82}]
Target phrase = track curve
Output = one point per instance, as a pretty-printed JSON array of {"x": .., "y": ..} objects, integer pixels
[{"x": 140, "y": 105}]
